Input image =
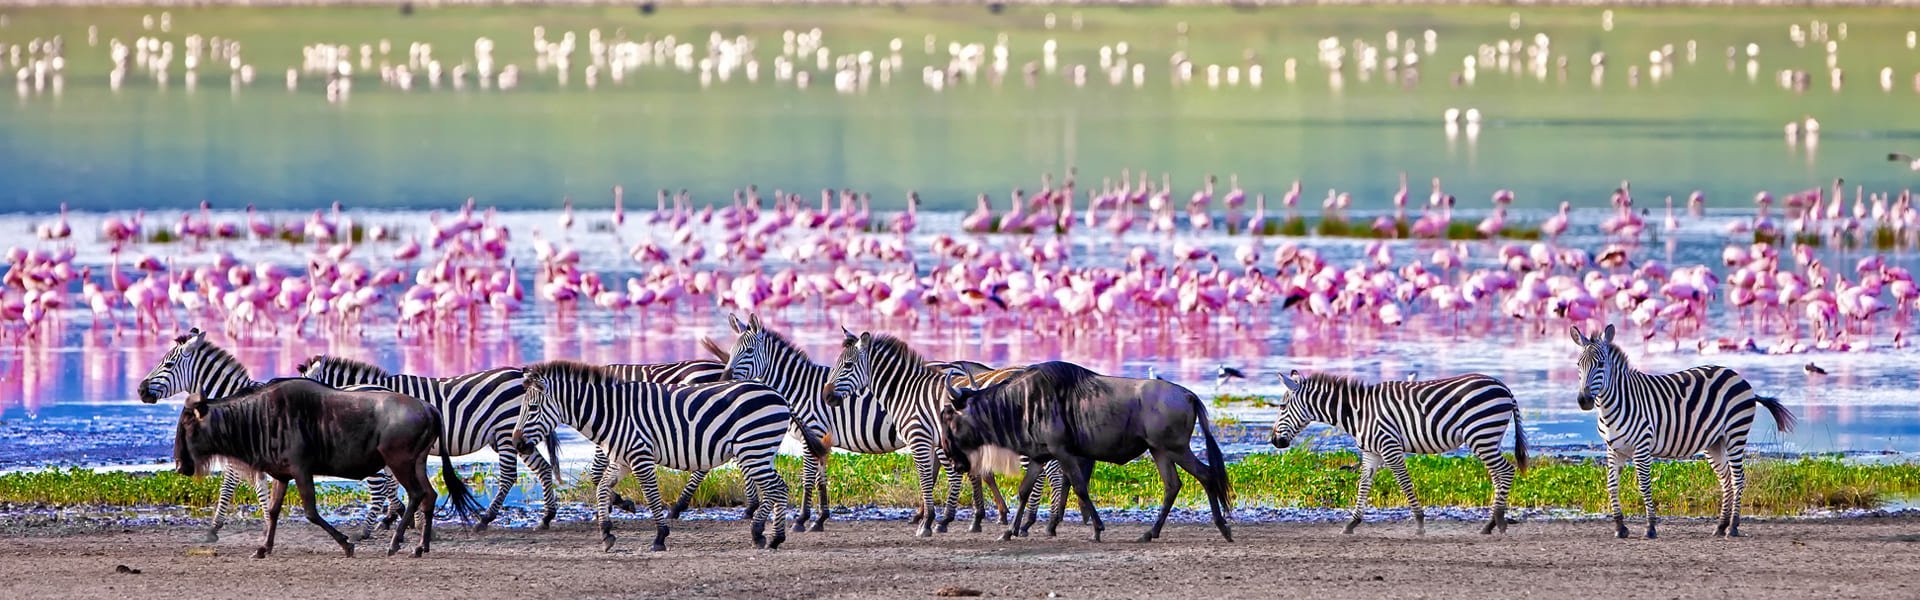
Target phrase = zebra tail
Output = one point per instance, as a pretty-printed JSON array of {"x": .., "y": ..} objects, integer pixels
[
  {"x": 1519, "y": 442},
  {"x": 815, "y": 445},
  {"x": 1216, "y": 462},
  {"x": 713, "y": 347},
  {"x": 553, "y": 452},
  {"x": 1782, "y": 418}
]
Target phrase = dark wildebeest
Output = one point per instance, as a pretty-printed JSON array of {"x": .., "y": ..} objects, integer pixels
[
  {"x": 296, "y": 429},
  {"x": 1062, "y": 411}
]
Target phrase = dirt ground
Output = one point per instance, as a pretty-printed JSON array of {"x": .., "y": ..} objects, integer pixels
[{"x": 1853, "y": 558}]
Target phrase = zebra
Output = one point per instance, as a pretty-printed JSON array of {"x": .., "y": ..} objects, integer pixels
[
  {"x": 1393, "y": 418},
  {"x": 480, "y": 411},
  {"x": 686, "y": 372},
  {"x": 200, "y": 368},
  {"x": 894, "y": 397},
  {"x": 1707, "y": 409},
  {"x": 691, "y": 428}
]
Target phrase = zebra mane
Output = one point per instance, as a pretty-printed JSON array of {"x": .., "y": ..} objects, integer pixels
[
  {"x": 1336, "y": 382},
  {"x": 897, "y": 347},
  {"x": 220, "y": 356},
  {"x": 351, "y": 366},
  {"x": 586, "y": 373}
]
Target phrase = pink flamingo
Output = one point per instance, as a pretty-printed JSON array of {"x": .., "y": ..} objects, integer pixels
[{"x": 1556, "y": 224}]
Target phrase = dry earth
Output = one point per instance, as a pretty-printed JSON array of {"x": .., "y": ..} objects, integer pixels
[{"x": 1854, "y": 558}]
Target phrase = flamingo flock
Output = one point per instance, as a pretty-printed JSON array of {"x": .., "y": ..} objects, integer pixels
[{"x": 1191, "y": 266}]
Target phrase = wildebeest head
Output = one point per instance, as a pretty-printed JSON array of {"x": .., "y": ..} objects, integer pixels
[
  {"x": 852, "y": 373},
  {"x": 747, "y": 362},
  {"x": 189, "y": 439},
  {"x": 1294, "y": 414},
  {"x": 1599, "y": 359},
  {"x": 175, "y": 373}
]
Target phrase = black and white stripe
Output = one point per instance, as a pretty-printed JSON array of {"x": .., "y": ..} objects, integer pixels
[
  {"x": 1391, "y": 419},
  {"x": 763, "y": 355},
  {"x": 686, "y": 372},
  {"x": 645, "y": 425},
  {"x": 1705, "y": 409},
  {"x": 200, "y": 368},
  {"x": 479, "y": 411}
]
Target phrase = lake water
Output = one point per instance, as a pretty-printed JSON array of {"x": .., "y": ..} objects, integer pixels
[{"x": 393, "y": 155}]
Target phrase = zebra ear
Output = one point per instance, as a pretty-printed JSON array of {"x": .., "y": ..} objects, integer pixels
[
  {"x": 1292, "y": 383},
  {"x": 1607, "y": 338},
  {"x": 733, "y": 321},
  {"x": 1578, "y": 338}
]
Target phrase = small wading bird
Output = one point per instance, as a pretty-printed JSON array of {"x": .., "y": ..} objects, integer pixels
[
  {"x": 1813, "y": 369},
  {"x": 1227, "y": 374},
  {"x": 1913, "y": 163}
]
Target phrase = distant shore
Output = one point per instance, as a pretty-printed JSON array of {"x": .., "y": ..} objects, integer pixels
[{"x": 668, "y": 4}]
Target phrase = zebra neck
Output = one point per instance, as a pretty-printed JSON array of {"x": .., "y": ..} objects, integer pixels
[
  {"x": 803, "y": 383},
  {"x": 1333, "y": 410},
  {"x": 900, "y": 383},
  {"x": 222, "y": 378},
  {"x": 1621, "y": 388}
]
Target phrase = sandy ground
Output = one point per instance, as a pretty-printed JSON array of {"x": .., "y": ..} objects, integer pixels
[{"x": 1790, "y": 559}]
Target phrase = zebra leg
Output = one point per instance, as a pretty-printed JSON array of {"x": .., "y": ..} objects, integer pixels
[
  {"x": 603, "y": 501},
  {"x": 503, "y": 484},
  {"x": 1397, "y": 462},
  {"x": 1717, "y": 457},
  {"x": 809, "y": 476},
  {"x": 229, "y": 482},
  {"x": 380, "y": 491},
  {"x": 1170, "y": 482},
  {"x": 953, "y": 493},
  {"x": 980, "y": 501},
  {"x": 820, "y": 480},
  {"x": 599, "y": 470},
  {"x": 1613, "y": 493},
  {"x": 1737, "y": 479},
  {"x": 1500, "y": 470},
  {"x": 686, "y": 494},
  {"x": 549, "y": 487},
  {"x": 1369, "y": 464},
  {"x": 928, "y": 467},
  {"x": 772, "y": 491},
  {"x": 647, "y": 472},
  {"x": 1643, "y": 464}
]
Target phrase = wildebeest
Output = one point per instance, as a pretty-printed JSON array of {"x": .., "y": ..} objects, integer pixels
[
  {"x": 1062, "y": 411},
  {"x": 295, "y": 429}
]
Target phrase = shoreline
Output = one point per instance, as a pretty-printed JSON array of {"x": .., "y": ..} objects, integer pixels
[{"x": 994, "y": 5}]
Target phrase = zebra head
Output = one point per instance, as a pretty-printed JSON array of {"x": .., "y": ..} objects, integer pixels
[
  {"x": 1599, "y": 359},
  {"x": 852, "y": 374},
  {"x": 533, "y": 404},
  {"x": 175, "y": 373},
  {"x": 1294, "y": 416},
  {"x": 748, "y": 361}
]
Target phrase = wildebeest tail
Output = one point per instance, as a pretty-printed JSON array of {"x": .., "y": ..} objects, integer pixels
[
  {"x": 1216, "y": 462},
  {"x": 458, "y": 495},
  {"x": 1519, "y": 441},
  {"x": 1782, "y": 418}
]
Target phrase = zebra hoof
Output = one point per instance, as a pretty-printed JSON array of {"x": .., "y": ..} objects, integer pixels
[
  {"x": 778, "y": 538},
  {"x": 974, "y": 529},
  {"x": 1145, "y": 537},
  {"x": 209, "y": 538},
  {"x": 1651, "y": 534},
  {"x": 1620, "y": 533},
  {"x": 760, "y": 542},
  {"x": 817, "y": 527},
  {"x": 419, "y": 552},
  {"x": 481, "y": 525},
  {"x": 609, "y": 540},
  {"x": 1006, "y": 535},
  {"x": 260, "y": 553},
  {"x": 1735, "y": 533},
  {"x": 942, "y": 528}
]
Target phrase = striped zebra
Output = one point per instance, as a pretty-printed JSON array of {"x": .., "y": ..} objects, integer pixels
[
  {"x": 479, "y": 410},
  {"x": 894, "y": 397},
  {"x": 647, "y": 425},
  {"x": 198, "y": 367},
  {"x": 1705, "y": 409},
  {"x": 686, "y": 372},
  {"x": 1388, "y": 420}
]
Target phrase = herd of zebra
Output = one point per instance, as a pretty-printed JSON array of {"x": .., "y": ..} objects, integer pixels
[{"x": 879, "y": 396}]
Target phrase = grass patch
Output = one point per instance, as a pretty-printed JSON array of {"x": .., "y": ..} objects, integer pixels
[
  {"x": 1289, "y": 479},
  {"x": 1226, "y": 400}
]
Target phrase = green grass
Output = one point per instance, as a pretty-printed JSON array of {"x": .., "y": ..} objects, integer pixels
[{"x": 1290, "y": 479}]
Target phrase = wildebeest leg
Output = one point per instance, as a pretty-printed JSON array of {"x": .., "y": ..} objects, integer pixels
[
  {"x": 1170, "y": 481},
  {"x": 645, "y": 470},
  {"x": 549, "y": 486},
  {"x": 1369, "y": 464},
  {"x": 279, "y": 494},
  {"x": 305, "y": 483},
  {"x": 1397, "y": 462},
  {"x": 1027, "y": 480},
  {"x": 1078, "y": 475},
  {"x": 686, "y": 494},
  {"x": 999, "y": 501},
  {"x": 1216, "y": 490},
  {"x": 413, "y": 477},
  {"x": 503, "y": 484}
]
